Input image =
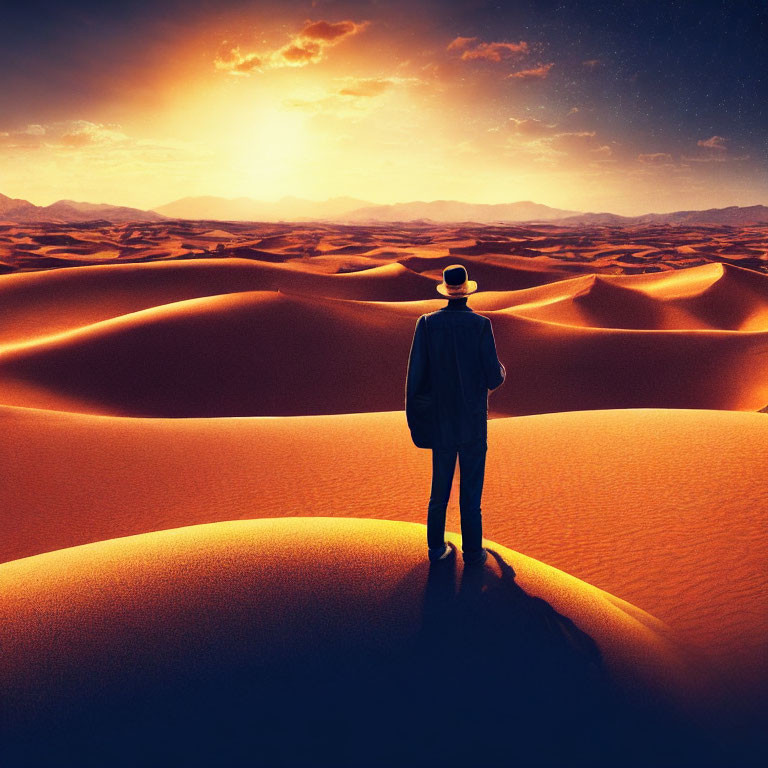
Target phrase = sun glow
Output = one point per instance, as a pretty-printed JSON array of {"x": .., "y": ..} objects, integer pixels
[{"x": 267, "y": 144}]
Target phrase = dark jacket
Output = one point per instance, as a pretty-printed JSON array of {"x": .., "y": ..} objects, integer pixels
[{"x": 458, "y": 381}]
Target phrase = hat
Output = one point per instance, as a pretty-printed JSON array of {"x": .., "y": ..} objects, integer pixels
[{"x": 455, "y": 282}]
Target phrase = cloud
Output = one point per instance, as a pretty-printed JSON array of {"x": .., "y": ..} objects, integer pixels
[
  {"x": 367, "y": 87},
  {"x": 82, "y": 132},
  {"x": 495, "y": 52},
  {"x": 539, "y": 73},
  {"x": 460, "y": 43},
  {"x": 593, "y": 65},
  {"x": 298, "y": 54},
  {"x": 655, "y": 158},
  {"x": 715, "y": 157},
  {"x": 714, "y": 142},
  {"x": 233, "y": 61},
  {"x": 352, "y": 96},
  {"x": 530, "y": 126},
  {"x": 63, "y": 134},
  {"x": 574, "y": 141},
  {"x": 329, "y": 33},
  {"x": 549, "y": 143},
  {"x": 307, "y": 47}
]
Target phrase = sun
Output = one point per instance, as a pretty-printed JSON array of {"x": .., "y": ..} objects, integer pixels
[{"x": 267, "y": 145}]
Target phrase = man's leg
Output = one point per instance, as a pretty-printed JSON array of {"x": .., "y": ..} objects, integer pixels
[
  {"x": 472, "y": 474},
  {"x": 443, "y": 466}
]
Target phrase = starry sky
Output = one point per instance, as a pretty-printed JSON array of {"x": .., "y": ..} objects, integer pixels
[{"x": 629, "y": 106}]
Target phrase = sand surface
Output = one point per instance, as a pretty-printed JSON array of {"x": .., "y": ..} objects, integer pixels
[
  {"x": 257, "y": 600},
  {"x": 166, "y": 375},
  {"x": 545, "y": 250},
  {"x": 99, "y": 339},
  {"x": 664, "y": 508}
]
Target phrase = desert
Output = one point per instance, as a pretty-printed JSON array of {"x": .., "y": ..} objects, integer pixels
[{"x": 205, "y": 456}]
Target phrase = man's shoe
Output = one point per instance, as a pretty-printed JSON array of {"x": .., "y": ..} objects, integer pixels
[
  {"x": 476, "y": 559},
  {"x": 435, "y": 555}
]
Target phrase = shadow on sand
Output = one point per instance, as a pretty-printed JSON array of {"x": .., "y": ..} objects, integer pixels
[{"x": 491, "y": 676}]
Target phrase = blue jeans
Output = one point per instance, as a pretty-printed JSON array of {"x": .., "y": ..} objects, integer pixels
[{"x": 471, "y": 474}]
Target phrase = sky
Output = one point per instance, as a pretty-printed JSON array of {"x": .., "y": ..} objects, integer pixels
[{"x": 628, "y": 106}]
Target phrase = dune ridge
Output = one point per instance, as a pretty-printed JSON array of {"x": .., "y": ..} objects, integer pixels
[
  {"x": 171, "y": 608},
  {"x": 695, "y": 339}
]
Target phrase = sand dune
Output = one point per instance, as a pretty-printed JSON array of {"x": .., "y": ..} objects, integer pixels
[
  {"x": 648, "y": 505},
  {"x": 234, "y": 354},
  {"x": 691, "y": 339},
  {"x": 326, "y": 603},
  {"x": 549, "y": 249},
  {"x": 628, "y": 354},
  {"x": 36, "y": 304}
]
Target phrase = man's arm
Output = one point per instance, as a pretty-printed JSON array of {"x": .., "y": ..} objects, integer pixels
[
  {"x": 495, "y": 372},
  {"x": 417, "y": 378}
]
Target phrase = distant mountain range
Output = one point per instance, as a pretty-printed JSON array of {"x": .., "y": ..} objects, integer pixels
[
  {"x": 354, "y": 211},
  {"x": 19, "y": 211},
  {"x": 734, "y": 215},
  {"x": 453, "y": 211},
  {"x": 247, "y": 209}
]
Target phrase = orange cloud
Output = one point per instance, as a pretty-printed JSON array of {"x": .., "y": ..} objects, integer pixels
[
  {"x": 459, "y": 43},
  {"x": 355, "y": 93},
  {"x": 330, "y": 33},
  {"x": 495, "y": 52},
  {"x": 715, "y": 142},
  {"x": 231, "y": 60},
  {"x": 300, "y": 53},
  {"x": 367, "y": 87},
  {"x": 592, "y": 64},
  {"x": 306, "y": 47},
  {"x": 539, "y": 73}
]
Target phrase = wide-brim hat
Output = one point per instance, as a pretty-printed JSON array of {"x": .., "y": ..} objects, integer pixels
[{"x": 456, "y": 282}]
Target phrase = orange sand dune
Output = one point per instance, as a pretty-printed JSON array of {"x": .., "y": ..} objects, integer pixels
[
  {"x": 499, "y": 272},
  {"x": 694, "y": 338},
  {"x": 234, "y": 354},
  {"x": 191, "y": 619},
  {"x": 712, "y": 296},
  {"x": 36, "y": 304},
  {"x": 541, "y": 252},
  {"x": 663, "y": 508}
]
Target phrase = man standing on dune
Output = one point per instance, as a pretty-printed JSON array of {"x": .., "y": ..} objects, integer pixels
[{"x": 452, "y": 366}]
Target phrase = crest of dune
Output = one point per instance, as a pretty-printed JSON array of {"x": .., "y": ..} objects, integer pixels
[
  {"x": 278, "y": 617},
  {"x": 230, "y": 338}
]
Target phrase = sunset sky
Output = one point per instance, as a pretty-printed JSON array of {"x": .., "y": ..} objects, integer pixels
[{"x": 619, "y": 106}]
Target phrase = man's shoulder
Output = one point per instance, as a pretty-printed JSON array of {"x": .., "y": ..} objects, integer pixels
[{"x": 440, "y": 314}]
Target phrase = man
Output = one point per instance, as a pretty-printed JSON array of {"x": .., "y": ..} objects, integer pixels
[{"x": 452, "y": 366}]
